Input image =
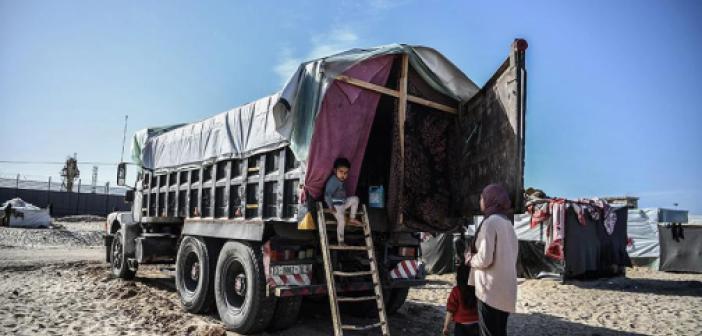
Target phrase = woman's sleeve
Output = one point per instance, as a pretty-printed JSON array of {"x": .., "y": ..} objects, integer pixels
[{"x": 485, "y": 244}]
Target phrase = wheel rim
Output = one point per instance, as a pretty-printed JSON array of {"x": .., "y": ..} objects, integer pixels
[
  {"x": 117, "y": 254},
  {"x": 191, "y": 270},
  {"x": 235, "y": 286}
]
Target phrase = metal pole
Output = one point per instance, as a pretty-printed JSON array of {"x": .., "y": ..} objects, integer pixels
[
  {"x": 48, "y": 193},
  {"x": 124, "y": 137},
  {"x": 78, "y": 198},
  {"x": 107, "y": 198},
  {"x": 17, "y": 186}
]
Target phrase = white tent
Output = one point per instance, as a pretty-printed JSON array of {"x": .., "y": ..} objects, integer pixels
[
  {"x": 643, "y": 232},
  {"x": 27, "y": 215}
]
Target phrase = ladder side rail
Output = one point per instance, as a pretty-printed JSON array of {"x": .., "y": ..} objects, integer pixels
[{"x": 328, "y": 270}]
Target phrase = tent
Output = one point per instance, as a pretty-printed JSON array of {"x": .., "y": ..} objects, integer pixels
[
  {"x": 26, "y": 215},
  {"x": 589, "y": 251},
  {"x": 680, "y": 241},
  {"x": 665, "y": 239}
]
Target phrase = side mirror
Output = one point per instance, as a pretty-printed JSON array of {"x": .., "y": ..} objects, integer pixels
[
  {"x": 122, "y": 174},
  {"x": 129, "y": 196}
]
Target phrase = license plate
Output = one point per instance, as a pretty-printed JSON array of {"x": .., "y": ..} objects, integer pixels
[{"x": 291, "y": 269}]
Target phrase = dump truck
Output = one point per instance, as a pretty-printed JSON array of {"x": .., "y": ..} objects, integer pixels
[{"x": 224, "y": 199}]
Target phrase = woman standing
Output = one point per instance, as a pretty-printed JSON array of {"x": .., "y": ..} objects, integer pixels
[{"x": 493, "y": 261}]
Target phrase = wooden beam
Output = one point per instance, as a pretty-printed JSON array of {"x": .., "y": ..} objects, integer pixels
[
  {"x": 429, "y": 103},
  {"x": 395, "y": 93},
  {"x": 402, "y": 103},
  {"x": 402, "y": 116},
  {"x": 368, "y": 86}
]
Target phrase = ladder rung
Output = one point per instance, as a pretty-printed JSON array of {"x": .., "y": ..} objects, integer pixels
[
  {"x": 348, "y": 247},
  {"x": 331, "y": 212},
  {"x": 361, "y": 327},
  {"x": 350, "y": 274},
  {"x": 356, "y": 299}
]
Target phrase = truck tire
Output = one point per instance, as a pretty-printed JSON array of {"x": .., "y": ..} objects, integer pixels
[
  {"x": 286, "y": 311},
  {"x": 394, "y": 299},
  {"x": 194, "y": 279},
  {"x": 118, "y": 262},
  {"x": 240, "y": 288}
]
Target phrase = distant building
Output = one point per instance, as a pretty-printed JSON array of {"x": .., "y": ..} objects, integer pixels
[{"x": 629, "y": 201}]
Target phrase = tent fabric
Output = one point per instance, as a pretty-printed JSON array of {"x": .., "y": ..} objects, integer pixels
[
  {"x": 287, "y": 117},
  {"x": 27, "y": 215},
  {"x": 310, "y": 82},
  {"x": 438, "y": 254},
  {"x": 589, "y": 249},
  {"x": 344, "y": 124},
  {"x": 643, "y": 231},
  {"x": 681, "y": 248}
]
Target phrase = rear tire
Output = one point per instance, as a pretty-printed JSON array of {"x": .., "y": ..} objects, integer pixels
[
  {"x": 287, "y": 310},
  {"x": 394, "y": 299},
  {"x": 194, "y": 279},
  {"x": 118, "y": 261},
  {"x": 240, "y": 288}
]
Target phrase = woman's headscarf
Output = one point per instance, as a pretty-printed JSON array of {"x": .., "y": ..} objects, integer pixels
[{"x": 496, "y": 200}]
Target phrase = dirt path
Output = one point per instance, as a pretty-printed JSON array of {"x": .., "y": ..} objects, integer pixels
[{"x": 58, "y": 284}]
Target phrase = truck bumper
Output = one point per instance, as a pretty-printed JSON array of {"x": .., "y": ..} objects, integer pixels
[{"x": 287, "y": 291}]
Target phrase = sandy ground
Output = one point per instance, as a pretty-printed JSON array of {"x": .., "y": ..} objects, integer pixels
[{"x": 57, "y": 284}]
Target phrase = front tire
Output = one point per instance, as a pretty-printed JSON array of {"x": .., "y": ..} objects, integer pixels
[
  {"x": 240, "y": 288},
  {"x": 193, "y": 275},
  {"x": 118, "y": 261}
]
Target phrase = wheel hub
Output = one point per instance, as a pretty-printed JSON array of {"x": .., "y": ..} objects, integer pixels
[
  {"x": 195, "y": 271},
  {"x": 240, "y": 284}
]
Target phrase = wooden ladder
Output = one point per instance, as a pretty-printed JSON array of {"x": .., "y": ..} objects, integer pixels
[{"x": 330, "y": 273}]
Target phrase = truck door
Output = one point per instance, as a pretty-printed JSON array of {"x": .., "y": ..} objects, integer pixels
[{"x": 489, "y": 146}]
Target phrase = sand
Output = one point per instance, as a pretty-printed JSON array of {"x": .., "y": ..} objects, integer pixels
[{"x": 61, "y": 286}]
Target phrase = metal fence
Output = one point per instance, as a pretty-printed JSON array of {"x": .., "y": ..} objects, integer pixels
[{"x": 84, "y": 200}]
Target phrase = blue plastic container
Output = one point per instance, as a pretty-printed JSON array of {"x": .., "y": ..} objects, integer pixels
[{"x": 376, "y": 197}]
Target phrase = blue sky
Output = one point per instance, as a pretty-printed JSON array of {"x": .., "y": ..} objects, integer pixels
[{"x": 613, "y": 102}]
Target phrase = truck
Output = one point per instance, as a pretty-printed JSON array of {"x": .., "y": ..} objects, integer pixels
[{"x": 224, "y": 199}]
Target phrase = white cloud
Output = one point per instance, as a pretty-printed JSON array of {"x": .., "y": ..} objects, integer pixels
[{"x": 337, "y": 40}]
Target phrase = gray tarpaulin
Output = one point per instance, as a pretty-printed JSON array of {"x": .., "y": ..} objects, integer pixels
[
  {"x": 286, "y": 117},
  {"x": 438, "y": 253}
]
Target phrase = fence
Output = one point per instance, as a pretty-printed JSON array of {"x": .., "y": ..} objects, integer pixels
[{"x": 83, "y": 201}]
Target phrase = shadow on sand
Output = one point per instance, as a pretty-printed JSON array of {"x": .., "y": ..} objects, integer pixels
[{"x": 691, "y": 288}]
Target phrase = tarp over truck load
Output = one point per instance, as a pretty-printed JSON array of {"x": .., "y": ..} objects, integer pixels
[
  {"x": 290, "y": 113},
  {"x": 317, "y": 106}
]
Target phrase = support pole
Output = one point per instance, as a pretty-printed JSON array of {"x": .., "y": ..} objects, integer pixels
[
  {"x": 401, "y": 117},
  {"x": 402, "y": 104}
]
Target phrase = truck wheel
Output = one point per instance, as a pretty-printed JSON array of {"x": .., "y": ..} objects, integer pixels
[
  {"x": 194, "y": 275},
  {"x": 286, "y": 312},
  {"x": 394, "y": 299},
  {"x": 118, "y": 263},
  {"x": 240, "y": 288}
]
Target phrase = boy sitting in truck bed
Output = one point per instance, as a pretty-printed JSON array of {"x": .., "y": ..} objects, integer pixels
[{"x": 335, "y": 197}]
